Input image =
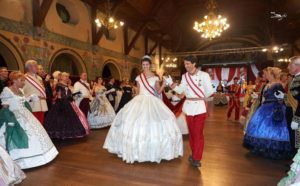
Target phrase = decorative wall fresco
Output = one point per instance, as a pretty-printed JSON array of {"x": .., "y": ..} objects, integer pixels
[
  {"x": 28, "y": 30},
  {"x": 29, "y": 51}
]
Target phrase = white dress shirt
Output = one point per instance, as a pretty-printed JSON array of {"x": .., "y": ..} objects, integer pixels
[{"x": 203, "y": 81}]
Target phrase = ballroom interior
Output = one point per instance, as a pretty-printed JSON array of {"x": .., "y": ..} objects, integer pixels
[{"x": 107, "y": 38}]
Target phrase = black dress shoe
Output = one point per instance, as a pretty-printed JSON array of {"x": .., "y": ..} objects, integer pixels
[
  {"x": 196, "y": 163},
  {"x": 190, "y": 159}
]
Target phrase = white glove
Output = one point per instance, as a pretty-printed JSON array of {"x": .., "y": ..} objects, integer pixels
[
  {"x": 169, "y": 80},
  {"x": 279, "y": 94},
  {"x": 294, "y": 125},
  {"x": 254, "y": 95},
  {"x": 110, "y": 91},
  {"x": 33, "y": 98}
]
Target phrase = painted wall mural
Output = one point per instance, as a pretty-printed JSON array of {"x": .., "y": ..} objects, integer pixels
[{"x": 29, "y": 51}]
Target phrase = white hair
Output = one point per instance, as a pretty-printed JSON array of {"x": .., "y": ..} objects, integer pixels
[
  {"x": 56, "y": 74},
  {"x": 295, "y": 60},
  {"x": 29, "y": 63}
]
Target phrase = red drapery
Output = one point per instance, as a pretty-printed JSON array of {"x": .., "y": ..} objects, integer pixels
[
  {"x": 231, "y": 74},
  {"x": 219, "y": 73}
]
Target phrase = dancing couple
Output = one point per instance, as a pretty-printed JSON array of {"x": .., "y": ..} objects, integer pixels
[{"x": 146, "y": 130}]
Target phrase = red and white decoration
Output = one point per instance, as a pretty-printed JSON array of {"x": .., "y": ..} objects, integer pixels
[{"x": 218, "y": 74}]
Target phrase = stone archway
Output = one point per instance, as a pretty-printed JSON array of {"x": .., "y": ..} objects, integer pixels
[
  {"x": 67, "y": 60},
  {"x": 10, "y": 56},
  {"x": 110, "y": 69},
  {"x": 134, "y": 73}
]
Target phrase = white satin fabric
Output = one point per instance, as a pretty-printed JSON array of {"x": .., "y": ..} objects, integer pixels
[
  {"x": 41, "y": 150},
  {"x": 145, "y": 130},
  {"x": 10, "y": 172}
]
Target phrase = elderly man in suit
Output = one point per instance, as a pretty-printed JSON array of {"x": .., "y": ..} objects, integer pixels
[{"x": 34, "y": 85}]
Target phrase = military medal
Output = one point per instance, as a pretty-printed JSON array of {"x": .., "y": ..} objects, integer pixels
[{"x": 199, "y": 82}]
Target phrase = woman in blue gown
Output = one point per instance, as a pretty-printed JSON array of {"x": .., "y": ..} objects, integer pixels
[{"x": 267, "y": 133}]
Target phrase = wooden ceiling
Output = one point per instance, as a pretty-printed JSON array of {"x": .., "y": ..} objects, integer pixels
[{"x": 170, "y": 22}]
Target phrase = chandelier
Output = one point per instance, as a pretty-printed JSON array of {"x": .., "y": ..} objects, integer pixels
[
  {"x": 108, "y": 21},
  {"x": 212, "y": 25},
  {"x": 170, "y": 62}
]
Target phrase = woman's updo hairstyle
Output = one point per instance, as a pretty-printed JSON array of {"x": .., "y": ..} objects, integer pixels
[
  {"x": 146, "y": 58},
  {"x": 65, "y": 74},
  {"x": 275, "y": 72},
  {"x": 15, "y": 75}
]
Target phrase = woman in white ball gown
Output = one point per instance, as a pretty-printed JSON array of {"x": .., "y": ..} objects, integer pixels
[
  {"x": 102, "y": 113},
  {"x": 10, "y": 172},
  {"x": 145, "y": 129},
  {"x": 40, "y": 149}
]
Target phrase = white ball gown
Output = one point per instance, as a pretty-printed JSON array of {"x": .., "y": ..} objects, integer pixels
[
  {"x": 102, "y": 113},
  {"x": 145, "y": 129},
  {"x": 10, "y": 172},
  {"x": 40, "y": 149}
]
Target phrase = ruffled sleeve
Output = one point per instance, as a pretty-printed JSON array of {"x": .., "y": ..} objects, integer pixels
[{"x": 6, "y": 96}]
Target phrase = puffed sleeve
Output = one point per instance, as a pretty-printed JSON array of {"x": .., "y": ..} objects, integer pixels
[
  {"x": 5, "y": 96},
  {"x": 137, "y": 78}
]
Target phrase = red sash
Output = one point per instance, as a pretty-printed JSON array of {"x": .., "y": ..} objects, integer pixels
[
  {"x": 147, "y": 85},
  {"x": 196, "y": 90},
  {"x": 193, "y": 86},
  {"x": 37, "y": 85},
  {"x": 84, "y": 85}
]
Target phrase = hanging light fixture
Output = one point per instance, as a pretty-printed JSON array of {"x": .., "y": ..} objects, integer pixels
[
  {"x": 212, "y": 25},
  {"x": 108, "y": 21},
  {"x": 170, "y": 62}
]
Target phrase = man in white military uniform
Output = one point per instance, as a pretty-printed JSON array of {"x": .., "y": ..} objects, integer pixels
[
  {"x": 197, "y": 86},
  {"x": 82, "y": 86},
  {"x": 34, "y": 86}
]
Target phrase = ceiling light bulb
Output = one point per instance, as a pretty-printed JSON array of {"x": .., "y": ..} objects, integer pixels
[
  {"x": 264, "y": 50},
  {"x": 111, "y": 20}
]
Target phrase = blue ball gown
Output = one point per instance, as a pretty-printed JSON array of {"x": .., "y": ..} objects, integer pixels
[{"x": 267, "y": 133}]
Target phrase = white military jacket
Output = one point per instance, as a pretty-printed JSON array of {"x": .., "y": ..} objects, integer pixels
[
  {"x": 34, "y": 85},
  {"x": 85, "y": 93},
  {"x": 203, "y": 81}
]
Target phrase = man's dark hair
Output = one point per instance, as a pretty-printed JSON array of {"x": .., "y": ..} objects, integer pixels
[
  {"x": 235, "y": 78},
  {"x": 191, "y": 58}
]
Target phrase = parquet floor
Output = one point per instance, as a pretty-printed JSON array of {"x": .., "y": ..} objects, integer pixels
[{"x": 225, "y": 163}]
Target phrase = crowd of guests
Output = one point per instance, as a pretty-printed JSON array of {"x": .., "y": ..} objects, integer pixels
[
  {"x": 271, "y": 117},
  {"x": 269, "y": 114},
  {"x": 37, "y": 107}
]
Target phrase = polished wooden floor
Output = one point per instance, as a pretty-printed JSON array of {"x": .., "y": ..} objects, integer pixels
[{"x": 225, "y": 163}]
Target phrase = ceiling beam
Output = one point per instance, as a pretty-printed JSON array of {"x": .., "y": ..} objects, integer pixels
[
  {"x": 39, "y": 12},
  {"x": 96, "y": 35},
  {"x": 146, "y": 47},
  {"x": 128, "y": 48},
  {"x": 153, "y": 48},
  {"x": 125, "y": 37}
]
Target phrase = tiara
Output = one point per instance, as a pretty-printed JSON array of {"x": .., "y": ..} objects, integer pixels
[{"x": 147, "y": 57}]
